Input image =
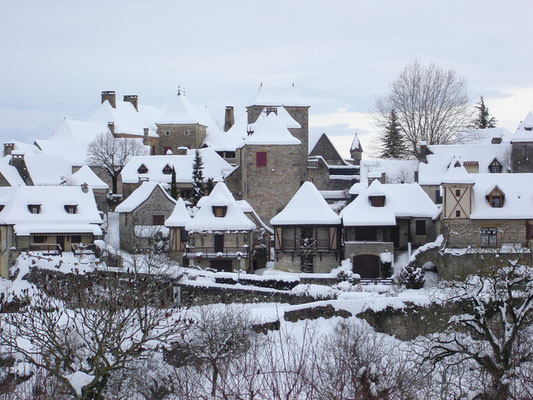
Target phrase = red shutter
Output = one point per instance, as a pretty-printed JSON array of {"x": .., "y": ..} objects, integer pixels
[{"x": 261, "y": 159}]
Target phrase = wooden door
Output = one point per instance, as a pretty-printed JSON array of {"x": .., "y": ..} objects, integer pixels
[
  {"x": 219, "y": 243},
  {"x": 366, "y": 265}
]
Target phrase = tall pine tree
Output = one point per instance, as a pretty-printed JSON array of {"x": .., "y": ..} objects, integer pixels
[
  {"x": 197, "y": 178},
  {"x": 392, "y": 143},
  {"x": 173, "y": 185},
  {"x": 483, "y": 119}
]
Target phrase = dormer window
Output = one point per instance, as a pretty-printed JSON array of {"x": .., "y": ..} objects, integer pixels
[
  {"x": 34, "y": 208},
  {"x": 496, "y": 198},
  {"x": 142, "y": 169},
  {"x": 220, "y": 211},
  {"x": 167, "y": 170},
  {"x": 528, "y": 128},
  {"x": 377, "y": 201},
  {"x": 71, "y": 209},
  {"x": 495, "y": 167}
]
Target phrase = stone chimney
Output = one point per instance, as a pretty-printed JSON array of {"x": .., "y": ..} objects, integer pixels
[
  {"x": 145, "y": 136},
  {"x": 17, "y": 161},
  {"x": 8, "y": 148},
  {"x": 84, "y": 187},
  {"x": 111, "y": 126},
  {"x": 229, "y": 118},
  {"x": 495, "y": 140},
  {"x": 423, "y": 151},
  {"x": 181, "y": 151},
  {"x": 110, "y": 96},
  {"x": 133, "y": 99}
]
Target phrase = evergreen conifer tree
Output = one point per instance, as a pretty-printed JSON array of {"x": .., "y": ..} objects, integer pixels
[
  {"x": 173, "y": 185},
  {"x": 483, "y": 119},
  {"x": 392, "y": 142},
  {"x": 197, "y": 178},
  {"x": 209, "y": 185}
]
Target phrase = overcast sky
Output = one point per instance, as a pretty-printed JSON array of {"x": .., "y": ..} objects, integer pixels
[{"x": 56, "y": 56}]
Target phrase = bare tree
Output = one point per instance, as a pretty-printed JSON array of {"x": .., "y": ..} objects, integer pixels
[
  {"x": 112, "y": 154},
  {"x": 493, "y": 333},
  {"x": 431, "y": 104}
]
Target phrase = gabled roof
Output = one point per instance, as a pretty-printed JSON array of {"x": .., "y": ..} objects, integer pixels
[
  {"x": 307, "y": 207},
  {"x": 271, "y": 130},
  {"x": 279, "y": 96},
  {"x": 47, "y": 169},
  {"x": 458, "y": 174},
  {"x": 124, "y": 116},
  {"x": 10, "y": 173},
  {"x": 53, "y": 218},
  {"x": 180, "y": 216},
  {"x": 483, "y": 136},
  {"x": 214, "y": 167},
  {"x": 248, "y": 209},
  {"x": 331, "y": 155},
  {"x": 180, "y": 112},
  {"x": 524, "y": 132},
  {"x": 401, "y": 201},
  {"x": 140, "y": 195},
  {"x": 85, "y": 175},
  {"x": 205, "y": 220}
]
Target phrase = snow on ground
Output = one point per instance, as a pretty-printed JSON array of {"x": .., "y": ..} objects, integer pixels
[{"x": 112, "y": 236}]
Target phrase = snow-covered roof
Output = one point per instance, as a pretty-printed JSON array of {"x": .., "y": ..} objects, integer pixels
[
  {"x": 283, "y": 115},
  {"x": 180, "y": 216},
  {"x": 457, "y": 174},
  {"x": 125, "y": 117},
  {"x": 444, "y": 156},
  {"x": 524, "y": 132},
  {"x": 234, "y": 219},
  {"x": 53, "y": 217},
  {"x": 10, "y": 173},
  {"x": 25, "y": 148},
  {"x": 396, "y": 171},
  {"x": 307, "y": 207},
  {"x": 139, "y": 196},
  {"x": 483, "y": 136},
  {"x": 180, "y": 112},
  {"x": 356, "y": 144},
  {"x": 271, "y": 130},
  {"x": 47, "y": 169},
  {"x": 214, "y": 167},
  {"x": 401, "y": 201},
  {"x": 248, "y": 209},
  {"x": 86, "y": 175},
  {"x": 279, "y": 96},
  {"x": 518, "y": 196}
]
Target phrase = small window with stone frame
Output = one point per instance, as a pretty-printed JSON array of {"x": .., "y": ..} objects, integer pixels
[
  {"x": 489, "y": 237},
  {"x": 167, "y": 170},
  {"x": 420, "y": 227},
  {"x": 220, "y": 211}
]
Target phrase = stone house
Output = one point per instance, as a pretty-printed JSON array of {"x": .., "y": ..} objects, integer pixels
[
  {"x": 487, "y": 210},
  {"x": 85, "y": 175},
  {"x": 384, "y": 219},
  {"x": 142, "y": 216},
  {"x": 178, "y": 236},
  {"x": 46, "y": 218},
  {"x": 522, "y": 146},
  {"x": 220, "y": 234},
  {"x": 307, "y": 233}
]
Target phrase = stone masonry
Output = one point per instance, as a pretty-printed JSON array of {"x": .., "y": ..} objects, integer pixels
[{"x": 173, "y": 136}]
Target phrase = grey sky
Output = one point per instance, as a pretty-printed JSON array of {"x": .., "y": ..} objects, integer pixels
[{"x": 56, "y": 56}]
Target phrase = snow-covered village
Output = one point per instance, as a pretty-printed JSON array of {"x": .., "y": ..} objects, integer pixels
[{"x": 181, "y": 219}]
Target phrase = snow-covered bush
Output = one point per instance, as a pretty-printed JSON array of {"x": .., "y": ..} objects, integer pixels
[{"x": 411, "y": 277}]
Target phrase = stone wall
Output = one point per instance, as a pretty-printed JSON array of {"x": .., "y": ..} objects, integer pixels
[
  {"x": 323, "y": 262},
  {"x": 191, "y": 136},
  {"x": 461, "y": 233},
  {"x": 268, "y": 189},
  {"x": 157, "y": 204},
  {"x": 352, "y": 249},
  {"x": 521, "y": 157},
  {"x": 319, "y": 175}
]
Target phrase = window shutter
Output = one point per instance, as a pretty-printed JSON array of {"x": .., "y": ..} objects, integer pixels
[
  {"x": 333, "y": 238},
  {"x": 261, "y": 159},
  {"x": 277, "y": 242}
]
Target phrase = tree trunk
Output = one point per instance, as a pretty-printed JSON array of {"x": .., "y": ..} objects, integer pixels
[
  {"x": 215, "y": 378},
  {"x": 114, "y": 179}
]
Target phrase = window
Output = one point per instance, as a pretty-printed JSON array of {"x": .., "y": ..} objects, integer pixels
[
  {"x": 438, "y": 197},
  {"x": 496, "y": 201},
  {"x": 229, "y": 154},
  {"x": 184, "y": 235},
  {"x": 457, "y": 192},
  {"x": 220, "y": 211},
  {"x": 457, "y": 213},
  {"x": 288, "y": 237},
  {"x": 261, "y": 159},
  {"x": 488, "y": 237},
  {"x": 167, "y": 170},
  {"x": 34, "y": 209},
  {"x": 75, "y": 239},
  {"x": 158, "y": 219},
  {"x": 186, "y": 133},
  {"x": 495, "y": 167},
  {"x": 185, "y": 193},
  {"x": 142, "y": 169},
  {"x": 39, "y": 239},
  {"x": 366, "y": 233},
  {"x": 167, "y": 133},
  {"x": 377, "y": 201},
  {"x": 71, "y": 209},
  {"x": 420, "y": 227}
]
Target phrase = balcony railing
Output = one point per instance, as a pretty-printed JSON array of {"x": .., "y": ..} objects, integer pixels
[
  {"x": 48, "y": 248},
  {"x": 319, "y": 245},
  {"x": 209, "y": 252}
]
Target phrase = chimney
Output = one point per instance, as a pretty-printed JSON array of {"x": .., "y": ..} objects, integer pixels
[
  {"x": 495, "y": 140},
  {"x": 229, "y": 118},
  {"x": 84, "y": 187},
  {"x": 110, "y": 96},
  {"x": 145, "y": 136},
  {"x": 17, "y": 161},
  {"x": 111, "y": 126},
  {"x": 423, "y": 151},
  {"x": 181, "y": 151},
  {"x": 133, "y": 99},
  {"x": 8, "y": 148}
]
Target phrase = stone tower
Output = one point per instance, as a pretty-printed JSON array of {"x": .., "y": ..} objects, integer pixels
[
  {"x": 270, "y": 166},
  {"x": 522, "y": 146},
  {"x": 280, "y": 100},
  {"x": 356, "y": 150}
]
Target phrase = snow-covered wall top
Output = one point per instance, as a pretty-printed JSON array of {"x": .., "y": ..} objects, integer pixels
[{"x": 139, "y": 196}]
